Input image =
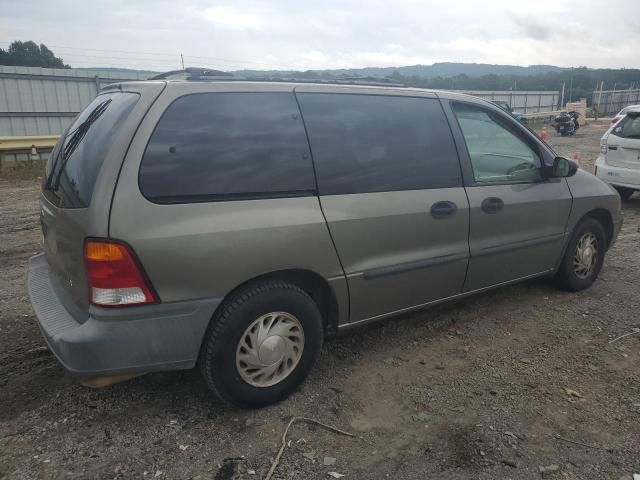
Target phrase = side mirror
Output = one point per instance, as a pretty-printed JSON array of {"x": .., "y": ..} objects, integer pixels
[{"x": 563, "y": 167}]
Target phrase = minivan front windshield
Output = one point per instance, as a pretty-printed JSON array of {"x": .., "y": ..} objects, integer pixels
[{"x": 74, "y": 164}]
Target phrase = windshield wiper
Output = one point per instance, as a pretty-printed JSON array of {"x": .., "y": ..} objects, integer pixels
[{"x": 67, "y": 148}]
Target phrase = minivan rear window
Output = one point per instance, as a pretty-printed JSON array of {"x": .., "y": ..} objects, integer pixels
[
  {"x": 628, "y": 127},
  {"x": 73, "y": 166},
  {"x": 226, "y": 146}
]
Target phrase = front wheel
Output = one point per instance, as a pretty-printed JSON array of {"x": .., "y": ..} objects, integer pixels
[
  {"x": 261, "y": 344},
  {"x": 584, "y": 256}
]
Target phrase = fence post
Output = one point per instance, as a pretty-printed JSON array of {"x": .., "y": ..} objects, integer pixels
[{"x": 540, "y": 103}]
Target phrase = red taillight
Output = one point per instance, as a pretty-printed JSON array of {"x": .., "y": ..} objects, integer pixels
[
  {"x": 115, "y": 277},
  {"x": 615, "y": 119}
]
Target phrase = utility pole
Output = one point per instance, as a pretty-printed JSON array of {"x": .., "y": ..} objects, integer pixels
[
  {"x": 182, "y": 61},
  {"x": 571, "y": 86}
]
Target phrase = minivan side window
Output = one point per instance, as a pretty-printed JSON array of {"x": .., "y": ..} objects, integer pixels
[
  {"x": 497, "y": 154},
  {"x": 216, "y": 146},
  {"x": 376, "y": 143}
]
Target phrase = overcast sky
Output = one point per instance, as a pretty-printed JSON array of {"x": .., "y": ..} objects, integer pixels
[{"x": 314, "y": 34}]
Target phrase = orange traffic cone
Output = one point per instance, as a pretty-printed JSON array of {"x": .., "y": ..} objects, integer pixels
[{"x": 543, "y": 134}]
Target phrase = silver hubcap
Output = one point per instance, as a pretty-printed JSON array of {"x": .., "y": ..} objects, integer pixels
[
  {"x": 270, "y": 349},
  {"x": 586, "y": 255}
]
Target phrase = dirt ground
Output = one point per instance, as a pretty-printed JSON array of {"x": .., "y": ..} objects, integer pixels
[{"x": 518, "y": 383}]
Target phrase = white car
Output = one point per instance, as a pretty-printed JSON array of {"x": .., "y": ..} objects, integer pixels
[
  {"x": 623, "y": 112},
  {"x": 619, "y": 161}
]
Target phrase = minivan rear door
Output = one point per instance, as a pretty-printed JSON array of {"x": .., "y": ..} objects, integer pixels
[
  {"x": 78, "y": 184},
  {"x": 623, "y": 142},
  {"x": 390, "y": 188}
]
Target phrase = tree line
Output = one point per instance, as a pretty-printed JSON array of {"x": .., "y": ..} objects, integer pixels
[
  {"x": 30, "y": 54},
  {"x": 578, "y": 82}
]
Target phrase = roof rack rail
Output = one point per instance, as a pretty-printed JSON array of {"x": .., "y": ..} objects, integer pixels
[
  {"x": 375, "y": 81},
  {"x": 196, "y": 73}
]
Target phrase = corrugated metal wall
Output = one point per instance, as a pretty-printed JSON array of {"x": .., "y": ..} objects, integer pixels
[{"x": 44, "y": 101}]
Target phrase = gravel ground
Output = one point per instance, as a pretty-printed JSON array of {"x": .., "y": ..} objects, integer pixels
[{"x": 517, "y": 383}]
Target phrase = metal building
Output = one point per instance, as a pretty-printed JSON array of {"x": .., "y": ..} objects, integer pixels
[{"x": 44, "y": 101}]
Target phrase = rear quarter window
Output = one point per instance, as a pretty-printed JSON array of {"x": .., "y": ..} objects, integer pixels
[
  {"x": 75, "y": 162},
  {"x": 224, "y": 146}
]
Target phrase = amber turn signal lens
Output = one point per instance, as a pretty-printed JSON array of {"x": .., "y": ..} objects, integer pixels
[{"x": 102, "y": 251}]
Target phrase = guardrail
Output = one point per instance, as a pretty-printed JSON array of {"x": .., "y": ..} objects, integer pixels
[{"x": 16, "y": 146}]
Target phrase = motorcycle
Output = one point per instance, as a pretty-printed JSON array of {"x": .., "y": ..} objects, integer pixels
[{"x": 567, "y": 123}]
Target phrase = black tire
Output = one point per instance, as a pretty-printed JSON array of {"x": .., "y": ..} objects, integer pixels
[
  {"x": 228, "y": 325},
  {"x": 566, "y": 278},
  {"x": 624, "y": 192}
]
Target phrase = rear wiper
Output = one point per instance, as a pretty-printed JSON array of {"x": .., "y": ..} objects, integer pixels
[{"x": 75, "y": 137}]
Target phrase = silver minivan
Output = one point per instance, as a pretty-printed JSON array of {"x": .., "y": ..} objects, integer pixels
[{"x": 232, "y": 225}]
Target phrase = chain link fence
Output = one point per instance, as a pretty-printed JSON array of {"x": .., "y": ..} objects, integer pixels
[
  {"x": 522, "y": 101},
  {"x": 610, "y": 102}
]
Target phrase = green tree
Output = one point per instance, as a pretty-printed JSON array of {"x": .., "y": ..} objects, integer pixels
[{"x": 29, "y": 54}]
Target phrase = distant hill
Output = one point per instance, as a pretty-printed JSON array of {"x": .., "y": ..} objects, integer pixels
[
  {"x": 117, "y": 70},
  {"x": 444, "y": 69}
]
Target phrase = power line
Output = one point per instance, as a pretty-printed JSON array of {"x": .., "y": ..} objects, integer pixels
[
  {"x": 101, "y": 50},
  {"x": 239, "y": 64},
  {"x": 107, "y": 63}
]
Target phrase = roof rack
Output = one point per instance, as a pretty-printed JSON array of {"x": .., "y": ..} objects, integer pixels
[
  {"x": 198, "y": 74},
  {"x": 195, "y": 73},
  {"x": 374, "y": 81}
]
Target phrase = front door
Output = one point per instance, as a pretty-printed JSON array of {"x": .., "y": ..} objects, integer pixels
[
  {"x": 517, "y": 217},
  {"x": 391, "y": 191}
]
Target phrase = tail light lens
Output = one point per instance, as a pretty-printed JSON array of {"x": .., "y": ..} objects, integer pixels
[
  {"x": 115, "y": 276},
  {"x": 603, "y": 146}
]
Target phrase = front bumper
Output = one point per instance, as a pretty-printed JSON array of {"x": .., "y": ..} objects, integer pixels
[
  {"x": 112, "y": 341},
  {"x": 621, "y": 177}
]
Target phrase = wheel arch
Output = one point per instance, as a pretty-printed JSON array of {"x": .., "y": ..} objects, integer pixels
[
  {"x": 311, "y": 282},
  {"x": 603, "y": 216}
]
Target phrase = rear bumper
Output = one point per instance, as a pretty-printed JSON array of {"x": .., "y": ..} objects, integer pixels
[
  {"x": 113, "y": 341},
  {"x": 621, "y": 177}
]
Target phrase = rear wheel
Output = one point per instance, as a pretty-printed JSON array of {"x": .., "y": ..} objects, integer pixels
[
  {"x": 584, "y": 256},
  {"x": 624, "y": 192},
  {"x": 261, "y": 344}
]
